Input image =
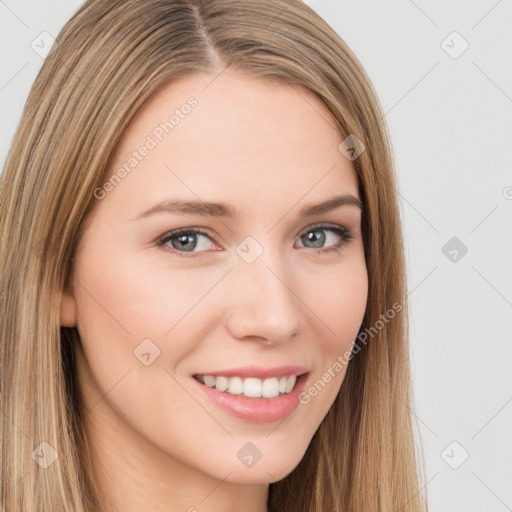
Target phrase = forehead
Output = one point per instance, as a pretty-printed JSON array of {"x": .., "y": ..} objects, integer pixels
[{"x": 213, "y": 136}]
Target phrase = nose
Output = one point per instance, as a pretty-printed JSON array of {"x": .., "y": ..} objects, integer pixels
[{"x": 263, "y": 306}]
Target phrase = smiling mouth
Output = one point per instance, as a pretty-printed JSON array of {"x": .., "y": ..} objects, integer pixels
[{"x": 251, "y": 387}]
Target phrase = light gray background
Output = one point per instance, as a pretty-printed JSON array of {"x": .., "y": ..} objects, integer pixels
[{"x": 450, "y": 124}]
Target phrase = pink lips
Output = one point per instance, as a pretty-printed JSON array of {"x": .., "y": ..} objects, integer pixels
[
  {"x": 257, "y": 410},
  {"x": 259, "y": 372}
]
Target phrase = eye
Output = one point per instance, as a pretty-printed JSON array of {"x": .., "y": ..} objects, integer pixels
[
  {"x": 187, "y": 240},
  {"x": 315, "y": 235}
]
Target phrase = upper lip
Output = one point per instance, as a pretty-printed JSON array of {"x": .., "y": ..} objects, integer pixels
[{"x": 259, "y": 372}]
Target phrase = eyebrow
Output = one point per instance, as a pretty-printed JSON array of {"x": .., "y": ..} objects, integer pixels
[{"x": 223, "y": 210}]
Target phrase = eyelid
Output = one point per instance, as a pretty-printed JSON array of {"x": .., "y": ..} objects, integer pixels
[{"x": 323, "y": 225}]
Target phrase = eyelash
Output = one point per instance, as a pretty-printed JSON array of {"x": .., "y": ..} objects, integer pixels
[{"x": 341, "y": 231}]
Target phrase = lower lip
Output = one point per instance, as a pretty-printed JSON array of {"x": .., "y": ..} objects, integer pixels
[{"x": 256, "y": 410}]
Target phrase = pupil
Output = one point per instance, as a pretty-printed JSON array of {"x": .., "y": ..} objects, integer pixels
[
  {"x": 319, "y": 240},
  {"x": 183, "y": 239}
]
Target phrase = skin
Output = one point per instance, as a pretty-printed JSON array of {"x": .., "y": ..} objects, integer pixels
[{"x": 268, "y": 150}]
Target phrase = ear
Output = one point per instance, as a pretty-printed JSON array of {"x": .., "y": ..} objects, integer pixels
[{"x": 68, "y": 310}]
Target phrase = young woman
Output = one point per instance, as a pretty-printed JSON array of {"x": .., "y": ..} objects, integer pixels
[{"x": 203, "y": 302}]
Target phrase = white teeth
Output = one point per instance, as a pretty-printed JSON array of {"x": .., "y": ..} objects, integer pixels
[
  {"x": 250, "y": 387},
  {"x": 209, "y": 381},
  {"x": 222, "y": 383},
  {"x": 236, "y": 386},
  {"x": 290, "y": 382},
  {"x": 270, "y": 388}
]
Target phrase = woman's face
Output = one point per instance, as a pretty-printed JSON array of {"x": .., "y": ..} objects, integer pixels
[{"x": 253, "y": 300}]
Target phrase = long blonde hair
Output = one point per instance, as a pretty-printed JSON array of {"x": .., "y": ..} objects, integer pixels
[{"x": 108, "y": 60}]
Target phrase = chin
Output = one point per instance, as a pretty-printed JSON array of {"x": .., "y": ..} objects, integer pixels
[{"x": 266, "y": 470}]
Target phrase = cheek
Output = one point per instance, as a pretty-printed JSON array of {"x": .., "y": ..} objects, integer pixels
[
  {"x": 338, "y": 297},
  {"x": 124, "y": 311},
  {"x": 339, "y": 306},
  {"x": 123, "y": 296},
  {"x": 127, "y": 309}
]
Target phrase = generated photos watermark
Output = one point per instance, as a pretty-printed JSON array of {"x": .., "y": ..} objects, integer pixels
[
  {"x": 152, "y": 140},
  {"x": 343, "y": 359}
]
